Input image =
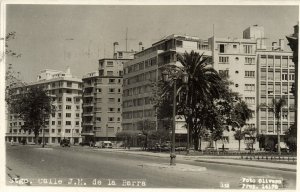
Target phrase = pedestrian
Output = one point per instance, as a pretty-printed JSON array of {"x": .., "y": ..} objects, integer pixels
[{"x": 11, "y": 142}]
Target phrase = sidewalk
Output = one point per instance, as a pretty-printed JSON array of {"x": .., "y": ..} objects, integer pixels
[{"x": 228, "y": 160}]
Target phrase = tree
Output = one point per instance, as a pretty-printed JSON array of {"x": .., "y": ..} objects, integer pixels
[
  {"x": 252, "y": 134},
  {"x": 276, "y": 108},
  {"x": 33, "y": 105},
  {"x": 239, "y": 135},
  {"x": 202, "y": 87},
  {"x": 290, "y": 138},
  {"x": 240, "y": 115}
]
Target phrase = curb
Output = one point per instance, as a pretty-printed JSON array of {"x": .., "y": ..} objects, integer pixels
[
  {"x": 255, "y": 166},
  {"x": 224, "y": 163}
]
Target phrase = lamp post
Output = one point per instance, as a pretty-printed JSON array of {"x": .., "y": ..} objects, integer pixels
[{"x": 175, "y": 77}]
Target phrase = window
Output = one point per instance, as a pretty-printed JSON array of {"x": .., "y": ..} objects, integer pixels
[
  {"x": 263, "y": 114},
  {"x": 77, "y": 115},
  {"x": 284, "y": 62},
  {"x": 250, "y": 100},
  {"x": 53, "y": 130},
  {"x": 291, "y": 77},
  {"x": 222, "y": 48},
  {"x": 270, "y": 89},
  {"x": 68, "y": 107},
  {"x": 69, "y": 84},
  {"x": 250, "y": 74},
  {"x": 110, "y": 63},
  {"x": 111, "y": 81},
  {"x": 77, "y": 107},
  {"x": 68, "y": 114},
  {"x": 248, "y": 49},
  {"x": 110, "y": 119},
  {"x": 118, "y": 119},
  {"x": 263, "y": 75},
  {"x": 53, "y": 122},
  {"x": 77, "y": 123},
  {"x": 98, "y": 118},
  {"x": 59, "y": 107},
  {"x": 236, "y": 85},
  {"x": 68, "y": 131},
  {"x": 234, "y": 46},
  {"x": 277, "y": 76},
  {"x": 110, "y": 73},
  {"x": 263, "y": 60},
  {"x": 59, "y": 115},
  {"x": 98, "y": 90},
  {"x": 59, "y": 122},
  {"x": 110, "y": 109},
  {"x": 277, "y": 61},
  {"x": 270, "y": 75},
  {"x": 249, "y": 60},
  {"x": 236, "y": 72},
  {"x": 224, "y": 72},
  {"x": 223, "y": 59},
  {"x": 249, "y": 87},
  {"x": 284, "y": 77},
  {"x": 68, "y": 99},
  {"x": 277, "y": 89},
  {"x": 68, "y": 122},
  {"x": 69, "y": 91},
  {"x": 111, "y": 90}
]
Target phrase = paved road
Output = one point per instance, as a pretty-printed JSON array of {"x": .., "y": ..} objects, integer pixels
[{"x": 95, "y": 167}]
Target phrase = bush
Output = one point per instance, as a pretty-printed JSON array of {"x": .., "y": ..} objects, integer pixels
[{"x": 290, "y": 138}]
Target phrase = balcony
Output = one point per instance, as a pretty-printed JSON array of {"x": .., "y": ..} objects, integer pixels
[
  {"x": 88, "y": 95},
  {"x": 88, "y": 104},
  {"x": 88, "y": 124},
  {"x": 85, "y": 114}
]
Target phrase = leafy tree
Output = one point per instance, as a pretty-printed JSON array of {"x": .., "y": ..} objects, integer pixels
[
  {"x": 126, "y": 136},
  {"x": 290, "y": 138},
  {"x": 239, "y": 116},
  {"x": 33, "y": 105}
]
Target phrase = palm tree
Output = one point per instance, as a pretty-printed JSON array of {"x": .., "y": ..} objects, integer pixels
[
  {"x": 241, "y": 113},
  {"x": 202, "y": 87},
  {"x": 276, "y": 108}
]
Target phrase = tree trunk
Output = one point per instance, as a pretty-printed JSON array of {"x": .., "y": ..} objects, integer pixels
[
  {"x": 278, "y": 138},
  {"x": 196, "y": 142},
  {"x": 200, "y": 143},
  {"x": 239, "y": 146}
]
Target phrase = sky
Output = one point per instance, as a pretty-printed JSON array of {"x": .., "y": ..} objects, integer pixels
[{"x": 58, "y": 36}]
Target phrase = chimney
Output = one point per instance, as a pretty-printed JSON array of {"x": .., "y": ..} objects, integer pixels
[
  {"x": 274, "y": 46},
  {"x": 281, "y": 44}
]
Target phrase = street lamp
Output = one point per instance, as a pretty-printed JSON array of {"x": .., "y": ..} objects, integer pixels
[{"x": 175, "y": 76}]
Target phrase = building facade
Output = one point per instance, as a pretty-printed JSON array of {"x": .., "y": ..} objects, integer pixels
[
  {"x": 275, "y": 76},
  {"x": 143, "y": 72},
  {"x": 65, "y": 122},
  {"x": 102, "y": 99}
]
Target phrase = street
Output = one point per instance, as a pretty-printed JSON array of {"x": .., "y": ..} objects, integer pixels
[{"x": 80, "y": 166}]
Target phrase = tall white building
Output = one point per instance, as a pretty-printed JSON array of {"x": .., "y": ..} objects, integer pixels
[{"x": 65, "y": 122}]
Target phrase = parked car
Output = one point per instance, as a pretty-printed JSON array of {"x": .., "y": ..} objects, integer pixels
[
  {"x": 65, "y": 143},
  {"x": 106, "y": 144},
  {"x": 87, "y": 143}
]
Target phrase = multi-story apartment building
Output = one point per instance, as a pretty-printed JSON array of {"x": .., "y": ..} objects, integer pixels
[
  {"x": 275, "y": 76},
  {"x": 144, "y": 70},
  {"x": 236, "y": 59},
  {"x": 65, "y": 122},
  {"x": 102, "y": 98}
]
